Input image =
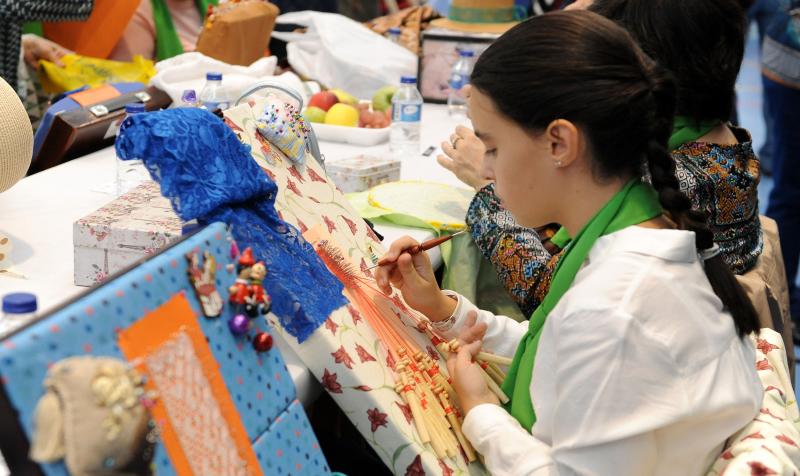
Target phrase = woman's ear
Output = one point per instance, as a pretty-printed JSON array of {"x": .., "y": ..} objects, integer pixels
[{"x": 563, "y": 141}]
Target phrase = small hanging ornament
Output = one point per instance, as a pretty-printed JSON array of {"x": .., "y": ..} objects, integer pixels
[
  {"x": 262, "y": 342},
  {"x": 239, "y": 324},
  {"x": 204, "y": 283}
]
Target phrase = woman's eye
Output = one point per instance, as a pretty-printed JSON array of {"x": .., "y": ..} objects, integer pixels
[{"x": 491, "y": 152}]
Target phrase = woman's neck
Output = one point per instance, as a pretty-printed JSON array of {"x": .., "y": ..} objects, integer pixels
[
  {"x": 584, "y": 201},
  {"x": 720, "y": 135}
]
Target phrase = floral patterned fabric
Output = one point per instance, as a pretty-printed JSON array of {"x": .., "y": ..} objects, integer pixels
[
  {"x": 769, "y": 444},
  {"x": 722, "y": 180},
  {"x": 209, "y": 175}
]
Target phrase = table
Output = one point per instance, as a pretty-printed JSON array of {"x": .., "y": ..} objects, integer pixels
[{"x": 38, "y": 214}]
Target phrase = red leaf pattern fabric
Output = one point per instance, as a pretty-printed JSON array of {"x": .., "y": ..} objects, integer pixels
[
  {"x": 269, "y": 173},
  {"x": 329, "y": 223},
  {"x": 330, "y": 383},
  {"x": 264, "y": 145},
  {"x": 301, "y": 226},
  {"x": 415, "y": 468},
  {"x": 376, "y": 418},
  {"x": 296, "y": 174},
  {"x": 354, "y": 314},
  {"x": 758, "y": 469},
  {"x": 772, "y": 387},
  {"x": 331, "y": 326},
  {"x": 293, "y": 187},
  {"x": 390, "y": 361},
  {"x": 765, "y": 411},
  {"x": 727, "y": 455},
  {"x": 765, "y": 347},
  {"x": 364, "y": 388},
  {"x": 446, "y": 471},
  {"x": 315, "y": 177},
  {"x": 342, "y": 357},
  {"x": 350, "y": 224},
  {"x": 406, "y": 411},
  {"x": 763, "y": 365},
  {"x": 756, "y": 436},
  {"x": 786, "y": 439},
  {"x": 364, "y": 355}
]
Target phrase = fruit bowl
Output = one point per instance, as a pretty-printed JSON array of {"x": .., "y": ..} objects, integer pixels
[{"x": 351, "y": 135}]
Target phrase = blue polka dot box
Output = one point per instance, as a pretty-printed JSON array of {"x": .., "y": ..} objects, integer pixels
[{"x": 255, "y": 381}]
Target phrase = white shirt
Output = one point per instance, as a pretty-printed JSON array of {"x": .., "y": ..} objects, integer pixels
[{"x": 639, "y": 371}]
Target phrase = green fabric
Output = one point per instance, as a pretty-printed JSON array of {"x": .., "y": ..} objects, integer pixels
[
  {"x": 561, "y": 238},
  {"x": 168, "y": 44},
  {"x": 636, "y": 203},
  {"x": 34, "y": 27},
  {"x": 686, "y": 129}
]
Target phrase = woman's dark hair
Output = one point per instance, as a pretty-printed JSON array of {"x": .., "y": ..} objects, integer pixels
[
  {"x": 583, "y": 68},
  {"x": 700, "y": 41}
]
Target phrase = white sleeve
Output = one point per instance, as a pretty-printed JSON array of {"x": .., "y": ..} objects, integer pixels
[
  {"x": 503, "y": 334},
  {"x": 612, "y": 393}
]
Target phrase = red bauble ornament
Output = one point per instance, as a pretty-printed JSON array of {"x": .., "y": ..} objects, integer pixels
[{"x": 262, "y": 342}]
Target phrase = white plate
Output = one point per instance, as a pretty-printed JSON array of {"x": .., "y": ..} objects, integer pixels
[{"x": 351, "y": 135}]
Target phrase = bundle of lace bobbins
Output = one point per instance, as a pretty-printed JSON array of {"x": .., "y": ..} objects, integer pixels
[{"x": 419, "y": 381}]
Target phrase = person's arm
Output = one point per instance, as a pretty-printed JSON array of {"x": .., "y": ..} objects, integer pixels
[
  {"x": 518, "y": 254},
  {"x": 139, "y": 37},
  {"x": 612, "y": 394},
  {"x": 46, "y": 10}
]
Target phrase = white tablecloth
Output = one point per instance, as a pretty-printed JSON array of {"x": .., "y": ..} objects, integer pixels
[{"x": 38, "y": 213}]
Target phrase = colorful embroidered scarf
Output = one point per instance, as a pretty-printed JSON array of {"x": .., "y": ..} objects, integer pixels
[{"x": 636, "y": 203}]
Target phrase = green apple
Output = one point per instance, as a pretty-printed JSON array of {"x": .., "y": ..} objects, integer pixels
[
  {"x": 315, "y": 114},
  {"x": 342, "y": 115},
  {"x": 382, "y": 99},
  {"x": 344, "y": 97}
]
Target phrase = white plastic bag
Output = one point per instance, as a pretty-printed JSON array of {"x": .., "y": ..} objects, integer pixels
[
  {"x": 341, "y": 53},
  {"x": 188, "y": 71}
]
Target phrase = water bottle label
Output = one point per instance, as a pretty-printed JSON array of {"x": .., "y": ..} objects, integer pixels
[
  {"x": 407, "y": 112},
  {"x": 458, "y": 81}
]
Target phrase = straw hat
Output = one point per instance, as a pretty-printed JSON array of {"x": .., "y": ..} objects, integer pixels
[
  {"x": 481, "y": 16},
  {"x": 16, "y": 137}
]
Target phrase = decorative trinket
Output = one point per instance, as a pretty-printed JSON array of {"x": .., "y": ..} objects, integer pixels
[
  {"x": 239, "y": 324},
  {"x": 204, "y": 283},
  {"x": 262, "y": 342},
  {"x": 248, "y": 290}
]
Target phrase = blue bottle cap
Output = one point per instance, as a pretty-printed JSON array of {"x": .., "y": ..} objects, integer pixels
[
  {"x": 19, "y": 303},
  {"x": 466, "y": 53},
  {"x": 134, "y": 108},
  {"x": 394, "y": 31},
  {"x": 214, "y": 76},
  {"x": 189, "y": 95},
  {"x": 408, "y": 80}
]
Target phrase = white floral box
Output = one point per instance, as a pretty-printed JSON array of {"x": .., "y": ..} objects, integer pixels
[{"x": 110, "y": 239}]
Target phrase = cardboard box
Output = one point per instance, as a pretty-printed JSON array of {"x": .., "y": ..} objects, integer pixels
[
  {"x": 363, "y": 172},
  {"x": 115, "y": 236}
]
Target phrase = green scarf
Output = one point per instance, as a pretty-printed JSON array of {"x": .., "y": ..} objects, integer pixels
[
  {"x": 686, "y": 129},
  {"x": 168, "y": 44},
  {"x": 636, "y": 203}
]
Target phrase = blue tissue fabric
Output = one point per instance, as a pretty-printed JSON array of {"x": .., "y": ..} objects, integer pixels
[{"x": 210, "y": 176}]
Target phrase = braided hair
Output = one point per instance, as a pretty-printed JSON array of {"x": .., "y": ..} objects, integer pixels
[{"x": 579, "y": 66}]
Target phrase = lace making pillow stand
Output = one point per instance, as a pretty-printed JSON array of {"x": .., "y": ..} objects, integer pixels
[{"x": 345, "y": 354}]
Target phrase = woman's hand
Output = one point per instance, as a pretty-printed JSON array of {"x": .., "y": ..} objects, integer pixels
[
  {"x": 36, "y": 48},
  {"x": 465, "y": 160},
  {"x": 468, "y": 379},
  {"x": 413, "y": 276}
]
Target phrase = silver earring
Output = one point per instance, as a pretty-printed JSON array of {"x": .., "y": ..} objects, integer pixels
[{"x": 558, "y": 163}]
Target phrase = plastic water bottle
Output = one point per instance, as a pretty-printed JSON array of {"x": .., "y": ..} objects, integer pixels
[
  {"x": 393, "y": 35},
  {"x": 212, "y": 96},
  {"x": 459, "y": 77},
  {"x": 189, "y": 98},
  {"x": 406, "y": 117},
  {"x": 130, "y": 173},
  {"x": 18, "y": 309}
]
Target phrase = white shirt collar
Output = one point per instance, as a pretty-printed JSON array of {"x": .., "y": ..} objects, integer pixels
[{"x": 669, "y": 245}]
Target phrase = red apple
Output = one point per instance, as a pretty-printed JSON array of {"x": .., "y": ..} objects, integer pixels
[{"x": 323, "y": 100}]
